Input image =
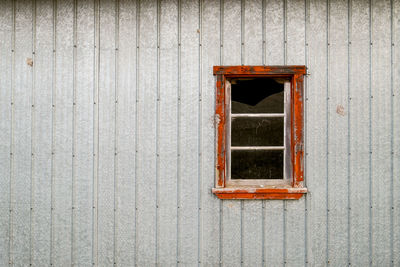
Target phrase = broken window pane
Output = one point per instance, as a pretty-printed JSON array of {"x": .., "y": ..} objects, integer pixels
[
  {"x": 257, "y": 131},
  {"x": 257, "y": 95},
  {"x": 257, "y": 164}
]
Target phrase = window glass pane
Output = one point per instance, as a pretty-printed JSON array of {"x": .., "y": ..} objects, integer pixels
[
  {"x": 257, "y": 131},
  {"x": 257, "y": 95},
  {"x": 256, "y": 164}
]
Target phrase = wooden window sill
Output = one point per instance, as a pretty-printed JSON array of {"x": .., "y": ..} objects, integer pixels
[{"x": 259, "y": 193}]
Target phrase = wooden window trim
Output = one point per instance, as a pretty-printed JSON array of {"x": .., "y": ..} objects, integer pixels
[{"x": 295, "y": 189}]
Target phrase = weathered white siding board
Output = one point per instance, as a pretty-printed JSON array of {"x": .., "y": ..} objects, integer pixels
[
  {"x": 63, "y": 135},
  {"x": 210, "y": 209},
  {"x": 189, "y": 134},
  {"x": 168, "y": 134},
  {"x": 22, "y": 136},
  {"x": 126, "y": 108},
  {"x": 96, "y": 99},
  {"x": 252, "y": 35},
  {"x": 273, "y": 211},
  {"x": 253, "y": 32},
  {"x": 274, "y": 32},
  {"x": 83, "y": 164},
  {"x": 42, "y": 134},
  {"x": 380, "y": 133},
  {"x": 295, "y": 210},
  {"x": 107, "y": 146},
  {"x": 359, "y": 61},
  {"x": 316, "y": 135},
  {"x": 85, "y": 171},
  {"x": 147, "y": 113},
  {"x": 396, "y": 130},
  {"x": 338, "y": 128},
  {"x": 5, "y": 126},
  {"x": 232, "y": 209}
]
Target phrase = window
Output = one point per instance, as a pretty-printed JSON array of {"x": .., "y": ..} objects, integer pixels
[{"x": 259, "y": 119}]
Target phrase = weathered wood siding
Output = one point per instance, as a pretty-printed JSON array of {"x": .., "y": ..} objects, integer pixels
[{"x": 107, "y": 143}]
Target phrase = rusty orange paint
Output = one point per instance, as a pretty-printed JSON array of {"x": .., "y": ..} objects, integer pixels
[
  {"x": 259, "y": 193},
  {"x": 220, "y": 117},
  {"x": 296, "y": 74},
  {"x": 298, "y": 131},
  {"x": 259, "y": 70}
]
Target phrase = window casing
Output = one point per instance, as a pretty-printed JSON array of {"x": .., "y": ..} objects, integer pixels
[{"x": 290, "y": 185}]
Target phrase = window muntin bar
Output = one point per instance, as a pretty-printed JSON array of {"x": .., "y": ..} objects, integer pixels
[
  {"x": 257, "y": 148},
  {"x": 258, "y": 115}
]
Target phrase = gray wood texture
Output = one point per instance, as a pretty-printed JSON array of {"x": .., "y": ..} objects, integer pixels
[
  {"x": 107, "y": 133},
  {"x": 125, "y": 137},
  {"x": 6, "y": 45},
  {"x": 82, "y": 239},
  {"x": 167, "y": 239},
  {"x": 316, "y": 135},
  {"x": 337, "y": 108},
  {"x": 359, "y": 201},
  {"x": 395, "y": 132},
  {"x": 381, "y": 133},
  {"x": 63, "y": 134},
  {"x": 21, "y": 140},
  {"x": 42, "y": 139},
  {"x": 146, "y": 220},
  {"x": 210, "y": 242}
]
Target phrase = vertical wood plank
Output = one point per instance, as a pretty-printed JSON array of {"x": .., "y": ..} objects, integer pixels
[
  {"x": 189, "y": 128},
  {"x": 84, "y": 144},
  {"x": 274, "y": 33},
  {"x": 107, "y": 146},
  {"x": 96, "y": 61},
  {"x": 147, "y": 108},
  {"x": 273, "y": 211},
  {"x": 316, "y": 142},
  {"x": 126, "y": 95},
  {"x": 380, "y": 132},
  {"x": 210, "y": 205},
  {"x": 253, "y": 32},
  {"x": 6, "y": 31},
  {"x": 252, "y": 233},
  {"x": 359, "y": 133},
  {"x": 22, "y": 138},
  {"x": 396, "y": 131},
  {"x": 252, "y": 249},
  {"x": 42, "y": 134},
  {"x": 63, "y": 135},
  {"x": 338, "y": 134},
  {"x": 232, "y": 209},
  {"x": 295, "y": 210},
  {"x": 168, "y": 134}
]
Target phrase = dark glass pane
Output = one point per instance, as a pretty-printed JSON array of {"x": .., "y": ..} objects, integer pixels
[
  {"x": 256, "y": 164},
  {"x": 257, "y": 131},
  {"x": 257, "y": 95}
]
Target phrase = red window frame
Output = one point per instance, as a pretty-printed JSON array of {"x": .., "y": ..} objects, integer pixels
[{"x": 296, "y": 189}]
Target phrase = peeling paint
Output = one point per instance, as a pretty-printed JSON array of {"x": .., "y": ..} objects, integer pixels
[
  {"x": 340, "y": 110},
  {"x": 29, "y": 61}
]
